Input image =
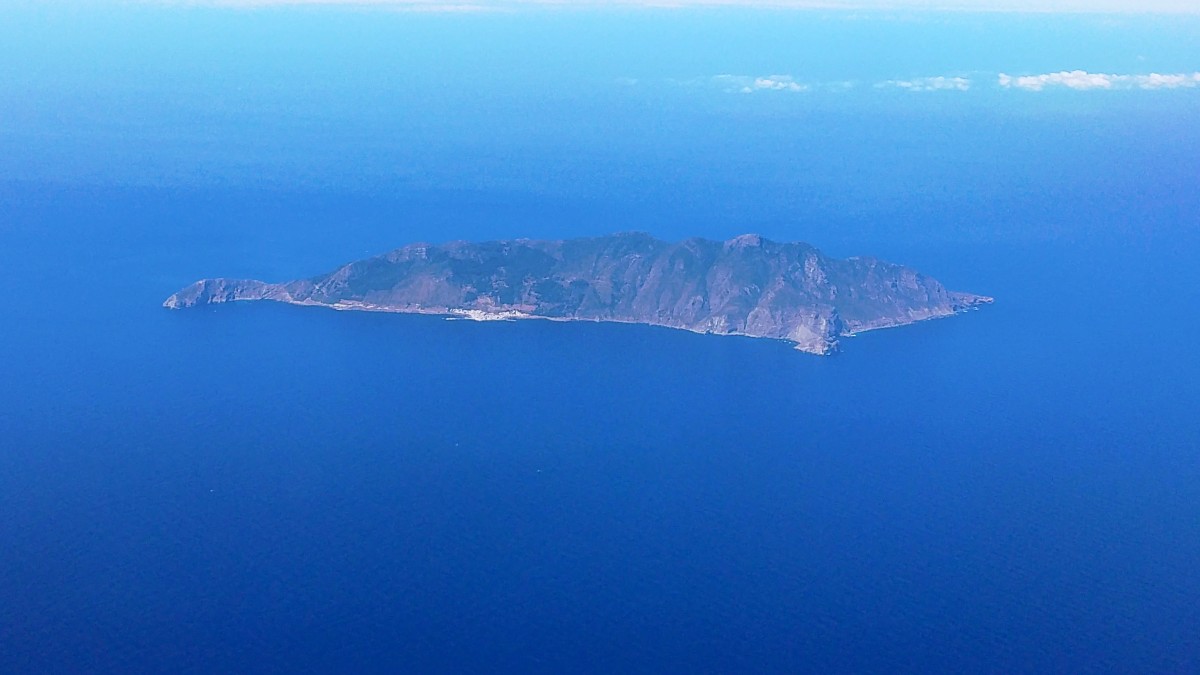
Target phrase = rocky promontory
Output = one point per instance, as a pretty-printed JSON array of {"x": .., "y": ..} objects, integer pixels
[{"x": 745, "y": 286}]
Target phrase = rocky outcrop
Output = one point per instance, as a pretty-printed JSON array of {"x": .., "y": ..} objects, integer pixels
[
  {"x": 215, "y": 291},
  {"x": 745, "y": 286}
]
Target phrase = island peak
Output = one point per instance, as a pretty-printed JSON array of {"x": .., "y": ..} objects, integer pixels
[{"x": 747, "y": 241}]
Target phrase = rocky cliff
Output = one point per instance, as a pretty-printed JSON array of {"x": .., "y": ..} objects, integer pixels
[{"x": 745, "y": 286}]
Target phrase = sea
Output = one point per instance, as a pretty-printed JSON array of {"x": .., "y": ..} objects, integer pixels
[{"x": 267, "y": 488}]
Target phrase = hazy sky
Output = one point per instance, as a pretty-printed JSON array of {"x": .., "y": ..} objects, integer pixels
[
  {"x": 132, "y": 91},
  {"x": 1139, "y": 6}
]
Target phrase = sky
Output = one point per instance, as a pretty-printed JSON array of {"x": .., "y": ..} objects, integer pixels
[
  {"x": 147, "y": 93},
  {"x": 1024, "y": 6},
  {"x": 1091, "y": 6}
]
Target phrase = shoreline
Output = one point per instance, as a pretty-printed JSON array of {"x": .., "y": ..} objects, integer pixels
[{"x": 822, "y": 348}]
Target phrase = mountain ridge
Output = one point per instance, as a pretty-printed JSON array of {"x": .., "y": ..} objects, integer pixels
[{"x": 747, "y": 285}]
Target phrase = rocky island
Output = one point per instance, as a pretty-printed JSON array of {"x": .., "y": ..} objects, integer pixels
[{"x": 745, "y": 286}]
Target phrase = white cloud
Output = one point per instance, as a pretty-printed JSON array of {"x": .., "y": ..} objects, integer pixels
[
  {"x": 1082, "y": 80},
  {"x": 928, "y": 84},
  {"x": 1157, "y": 81},
  {"x": 745, "y": 84},
  {"x": 1078, "y": 80},
  {"x": 777, "y": 83}
]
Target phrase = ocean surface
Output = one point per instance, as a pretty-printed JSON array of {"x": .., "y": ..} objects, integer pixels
[{"x": 265, "y": 488}]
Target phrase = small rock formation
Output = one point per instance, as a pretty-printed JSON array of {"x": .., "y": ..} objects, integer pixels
[{"x": 745, "y": 286}]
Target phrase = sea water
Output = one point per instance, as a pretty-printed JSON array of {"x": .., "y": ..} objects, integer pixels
[{"x": 259, "y": 487}]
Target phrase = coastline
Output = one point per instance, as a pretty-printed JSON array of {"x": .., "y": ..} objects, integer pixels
[{"x": 818, "y": 347}]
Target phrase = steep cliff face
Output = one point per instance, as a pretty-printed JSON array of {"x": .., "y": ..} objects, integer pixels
[{"x": 745, "y": 286}]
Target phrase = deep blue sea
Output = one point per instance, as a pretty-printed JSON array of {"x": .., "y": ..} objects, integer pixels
[{"x": 265, "y": 488}]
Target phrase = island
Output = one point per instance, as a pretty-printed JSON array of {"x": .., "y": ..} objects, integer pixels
[{"x": 747, "y": 285}]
